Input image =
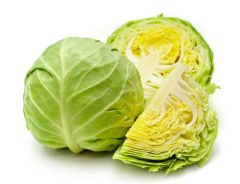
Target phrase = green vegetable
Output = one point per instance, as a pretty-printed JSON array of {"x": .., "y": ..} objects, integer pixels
[
  {"x": 82, "y": 94},
  {"x": 177, "y": 127},
  {"x": 156, "y": 44}
]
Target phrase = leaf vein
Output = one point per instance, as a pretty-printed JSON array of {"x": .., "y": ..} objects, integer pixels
[{"x": 109, "y": 105}]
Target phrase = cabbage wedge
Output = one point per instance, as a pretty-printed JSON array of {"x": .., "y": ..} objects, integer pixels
[
  {"x": 177, "y": 128},
  {"x": 156, "y": 44}
]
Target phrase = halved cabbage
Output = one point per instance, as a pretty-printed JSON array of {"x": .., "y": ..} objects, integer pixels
[
  {"x": 156, "y": 44},
  {"x": 177, "y": 127}
]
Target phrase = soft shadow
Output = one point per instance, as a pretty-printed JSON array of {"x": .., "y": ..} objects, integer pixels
[
  {"x": 216, "y": 152},
  {"x": 86, "y": 158},
  {"x": 67, "y": 153},
  {"x": 104, "y": 159}
]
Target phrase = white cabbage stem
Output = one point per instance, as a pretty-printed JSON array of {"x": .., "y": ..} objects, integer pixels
[
  {"x": 167, "y": 86},
  {"x": 162, "y": 95},
  {"x": 146, "y": 64},
  {"x": 149, "y": 66}
]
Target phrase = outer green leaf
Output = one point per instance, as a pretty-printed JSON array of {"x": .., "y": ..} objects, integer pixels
[{"x": 81, "y": 94}]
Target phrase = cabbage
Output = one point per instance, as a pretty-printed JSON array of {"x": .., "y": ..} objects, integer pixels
[
  {"x": 82, "y": 94},
  {"x": 177, "y": 127},
  {"x": 156, "y": 44}
]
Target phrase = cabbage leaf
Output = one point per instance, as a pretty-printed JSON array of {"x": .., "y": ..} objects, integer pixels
[{"x": 82, "y": 94}]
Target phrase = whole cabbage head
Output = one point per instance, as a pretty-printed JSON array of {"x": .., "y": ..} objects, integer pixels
[
  {"x": 82, "y": 94},
  {"x": 155, "y": 45}
]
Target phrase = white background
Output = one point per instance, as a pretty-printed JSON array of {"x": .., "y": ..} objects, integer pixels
[{"x": 28, "y": 27}]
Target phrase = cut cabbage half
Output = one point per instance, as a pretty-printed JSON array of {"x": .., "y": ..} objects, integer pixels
[
  {"x": 177, "y": 127},
  {"x": 156, "y": 44}
]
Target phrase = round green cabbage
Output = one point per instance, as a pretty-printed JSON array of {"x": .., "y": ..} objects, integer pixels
[
  {"x": 82, "y": 94},
  {"x": 156, "y": 44}
]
